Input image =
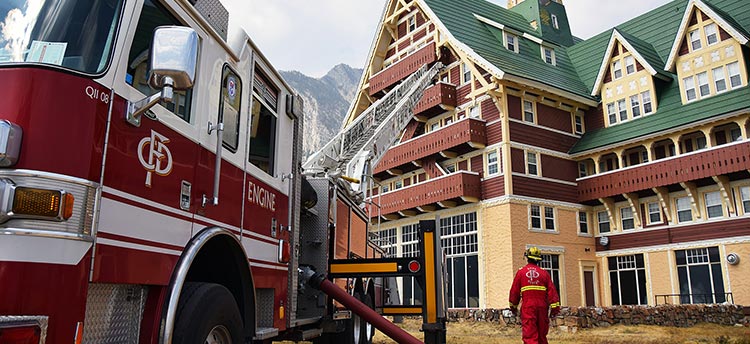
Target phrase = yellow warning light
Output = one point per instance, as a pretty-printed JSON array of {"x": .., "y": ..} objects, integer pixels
[{"x": 43, "y": 203}]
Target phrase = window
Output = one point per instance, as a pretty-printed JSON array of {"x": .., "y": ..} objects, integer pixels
[
  {"x": 466, "y": 73},
  {"x": 511, "y": 42},
  {"x": 714, "y": 206},
  {"x": 153, "y": 15},
  {"x": 412, "y": 294},
  {"x": 582, "y": 170},
  {"x": 626, "y": 215},
  {"x": 703, "y": 84},
  {"x": 549, "y": 218},
  {"x": 528, "y": 111},
  {"x": 719, "y": 80},
  {"x": 646, "y": 99},
  {"x": 684, "y": 210},
  {"x": 612, "y": 113},
  {"x": 385, "y": 188},
  {"x": 635, "y": 106},
  {"x": 474, "y": 112},
  {"x": 712, "y": 36},
  {"x": 627, "y": 280},
  {"x": 629, "y": 65},
  {"x": 412, "y": 23},
  {"x": 695, "y": 39},
  {"x": 531, "y": 164},
  {"x": 387, "y": 240},
  {"x": 654, "y": 213},
  {"x": 700, "y": 276},
  {"x": 555, "y": 24},
  {"x": 551, "y": 264},
  {"x": 734, "y": 74},
  {"x": 583, "y": 222},
  {"x": 579, "y": 124},
  {"x": 459, "y": 239},
  {"x": 549, "y": 55},
  {"x": 263, "y": 132},
  {"x": 745, "y": 197},
  {"x": 450, "y": 168},
  {"x": 398, "y": 184},
  {"x": 435, "y": 126},
  {"x": 229, "y": 108},
  {"x": 603, "y": 218},
  {"x": 735, "y": 134},
  {"x": 623, "y": 109},
  {"x": 492, "y": 165},
  {"x": 689, "y": 84},
  {"x": 617, "y": 69},
  {"x": 536, "y": 217}
]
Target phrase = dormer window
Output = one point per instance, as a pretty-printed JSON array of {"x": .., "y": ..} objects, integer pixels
[
  {"x": 617, "y": 70},
  {"x": 712, "y": 35},
  {"x": 412, "y": 23},
  {"x": 695, "y": 39},
  {"x": 549, "y": 55},
  {"x": 511, "y": 42},
  {"x": 555, "y": 24},
  {"x": 629, "y": 65}
]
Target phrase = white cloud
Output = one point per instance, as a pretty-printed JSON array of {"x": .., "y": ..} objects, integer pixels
[{"x": 312, "y": 36}]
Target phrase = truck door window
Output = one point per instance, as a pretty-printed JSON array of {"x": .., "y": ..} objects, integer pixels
[
  {"x": 229, "y": 108},
  {"x": 263, "y": 125},
  {"x": 153, "y": 15}
]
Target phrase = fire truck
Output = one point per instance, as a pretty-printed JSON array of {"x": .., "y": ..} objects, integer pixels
[{"x": 152, "y": 188}]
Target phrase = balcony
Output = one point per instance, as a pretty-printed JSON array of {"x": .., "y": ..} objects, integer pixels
[
  {"x": 436, "y": 100},
  {"x": 446, "y": 191},
  {"x": 716, "y": 161},
  {"x": 452, "y": 138},
  {"x": 402, "y": 69}
]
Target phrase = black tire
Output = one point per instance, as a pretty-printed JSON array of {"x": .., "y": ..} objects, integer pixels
[
  {"x": 207, "y": 308},
  {"x": 368, "y": 331}
]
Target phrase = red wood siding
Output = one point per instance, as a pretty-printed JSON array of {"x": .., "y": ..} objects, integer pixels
[
  {"x": 402, "y": 30},
  {"x": 461, "y": 94},
  {"x": 723, "y": 34},
  {"x": 539, "y": 137},
  {"x": 403, "y": 45},
  {"x": 494, "y": 133},
  {"x": 607, "y": 75},
  {"x": 411, "y": 128},
  {"x": 703, "y": 16},
  {"x": 493, "y": 187},
  {"x": 701, "y": 231},
  {"x": 694, "y": 18},
  {"x": 450, "y": 187},
  {"x": 463, "y": 165},
  {"x": 531, "y": 187},
  {"x": 477, "y": 164},
  {"x": 557, "y": 168},
  {"x": 702, "y": 164},
  {"x": 419, "y": 34},
  {"x": 514, "y": 107},
  {"x": 490, "y": 112},
  {"x": 420, "y": 19},
  {"x": 390, "y": 53},
  {"x": 403, "y": 68},
  {"x": 553, "y": 118},
  {"x": 430, "y": 166},
  {"x": 638, "y": 66},
  {"x": 455, "y": 74},
  {"x": 517, "y": 160},
  {"x": 684, "y": 50},
  {"x": 594, "y": 118}
]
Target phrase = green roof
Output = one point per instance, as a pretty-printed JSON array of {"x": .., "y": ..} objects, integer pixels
[{"x": 651, "y": 34}]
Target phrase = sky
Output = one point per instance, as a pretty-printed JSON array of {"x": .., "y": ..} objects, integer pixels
[{"x": 312, "y": 36}]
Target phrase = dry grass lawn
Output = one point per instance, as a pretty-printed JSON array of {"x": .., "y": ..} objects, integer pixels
[{"x": 486, "y": 333}]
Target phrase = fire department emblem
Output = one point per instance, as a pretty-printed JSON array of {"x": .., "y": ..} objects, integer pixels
[
  {"x": 532, "y": 275},
  {"x": 155, "y": 156}
]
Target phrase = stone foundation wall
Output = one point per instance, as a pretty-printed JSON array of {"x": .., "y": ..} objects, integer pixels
[{"x": 588, "y": 317}]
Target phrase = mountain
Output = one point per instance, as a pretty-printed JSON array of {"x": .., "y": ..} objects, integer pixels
[{"x": 327, "y": 101}]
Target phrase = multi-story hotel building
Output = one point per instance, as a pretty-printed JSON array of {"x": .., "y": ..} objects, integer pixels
[{"x": 624, "y": 157}]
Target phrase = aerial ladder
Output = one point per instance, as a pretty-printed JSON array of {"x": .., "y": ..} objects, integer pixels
[{"x": 342, "y": 168}]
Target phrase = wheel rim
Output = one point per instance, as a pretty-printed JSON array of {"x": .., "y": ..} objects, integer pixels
[
  {"x": 219, "y": 335},
  {"x": 369, "y": 331},
  {"x": 356, "y": 328}
]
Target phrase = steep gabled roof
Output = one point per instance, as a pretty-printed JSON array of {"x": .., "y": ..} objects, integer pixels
[
  {"x": 724, "y": 20},
  {"x": 643, "y": 52},
  {"x": 461, "y": 19}
]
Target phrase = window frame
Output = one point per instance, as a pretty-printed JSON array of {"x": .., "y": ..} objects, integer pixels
[
  {"x": 512, "y": 43},
  {"x": 495, "y": 163},
  {"x": 600, "y": 222},
  {"x": 650, "y": 212},
  {"x": 612, "y": 113},
  {"x": 627, "y": 223},
  {"x": 225, "y": 74},
  {"x": 535, "y": 164},
  {"x": 535, "y": 212},
  {"x": 647, "y": 95},
  {"x": 689, "y": 209},
  {"x": 694, "y": 37},
  {"x": 635, "y": 264},
  {"x": 555, "y": 23},
  {"x": 719, "y": 78},
  {"x": 465, "y": 73},
  {"x": 549, "y": 215},
  {"x": 526, "y": 112},
  {"x": 731, "y": 76},
  {"x": 578, "y": 124},
  {"x": 744, "y": 192},
  {"x": 622, "y": 110},
  {"x": 690, "y": 88},
  {"x": 709, "y": 206},
  {"x": 635, "y": 105},
  {"x": 583, "y": 223},
  {"x": 630, "y": 67},
  {"x": 703, "y": 84},
  {"x": 411, "y": 24},
  {"x": 616, "y": 70},
  {"x": 551, "y": 60},
  {"x": 715, "y": 34}
]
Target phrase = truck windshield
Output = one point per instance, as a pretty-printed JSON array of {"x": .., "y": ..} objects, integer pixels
[{"x": 75, "y": 34}]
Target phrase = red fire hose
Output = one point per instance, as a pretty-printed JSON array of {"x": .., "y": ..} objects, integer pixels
[{"x": 388, "y": 328}]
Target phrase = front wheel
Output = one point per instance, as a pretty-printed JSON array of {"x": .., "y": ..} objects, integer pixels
[{"x": 207, "y": 314}]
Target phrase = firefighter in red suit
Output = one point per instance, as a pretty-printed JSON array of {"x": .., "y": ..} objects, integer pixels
[{"x": 534, "y": 285}]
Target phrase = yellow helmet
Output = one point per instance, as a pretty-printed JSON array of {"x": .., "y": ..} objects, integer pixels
[{"x": 533, "y": 253}]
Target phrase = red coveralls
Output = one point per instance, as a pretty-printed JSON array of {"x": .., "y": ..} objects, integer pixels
[{"x": 538, "y": 292}]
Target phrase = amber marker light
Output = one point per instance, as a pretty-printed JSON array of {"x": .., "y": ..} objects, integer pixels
[{"x": 42, "y": 203}]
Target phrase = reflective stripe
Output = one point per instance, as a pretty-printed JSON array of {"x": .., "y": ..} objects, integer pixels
[
  {"x": 533, "y": 287},
  {"x": 555, "y": 305}
]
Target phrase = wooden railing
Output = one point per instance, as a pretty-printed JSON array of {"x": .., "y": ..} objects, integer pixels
[
  {"x": 449, "y": 187},
  {"x": 692, "y": 166},
  {"x": 464, "y": 131},
  {"x": 435, "y": 98},
  {"x": 402, "y": 69}
]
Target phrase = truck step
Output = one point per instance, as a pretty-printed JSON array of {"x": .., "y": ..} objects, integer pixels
[{"x": 266, "y": 332}]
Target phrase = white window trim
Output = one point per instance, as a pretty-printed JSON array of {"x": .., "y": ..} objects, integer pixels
[
  {"x": 599, "y": 222},
  {"x": 464, "y": 70},
  {"x": 743, "y": 200},
  {"x": 496, "y": 163},
  {"x": 691, "y": 40},
  {"x": 540, "y": 217},
  {"x": 623, "y": 218},
  {"x": 587, "y": 222},
  {"x": 627, "y": 59},
  {"x": 648, "y": 213},
  {"x": 689, "y": 208},
  {"x": 720, "y": 204},
  {"x": 575, "y": 124},
  {"x": 617, "y": 66},
  {"x": 544, "y": 49},
  {"x": 507, "y": 34},
  {"x": 536, "y": 163},
  {"x": 523, "y": 110}
]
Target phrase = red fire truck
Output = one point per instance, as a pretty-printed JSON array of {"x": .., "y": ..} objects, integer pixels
[{"x": 151, "y": 187}]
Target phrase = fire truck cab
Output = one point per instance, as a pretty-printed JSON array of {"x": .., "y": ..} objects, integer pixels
[{"x": 149, "y": 189}]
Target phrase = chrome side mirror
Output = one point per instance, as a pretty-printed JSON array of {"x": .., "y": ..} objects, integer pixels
[{"x": 174, "y": 57}]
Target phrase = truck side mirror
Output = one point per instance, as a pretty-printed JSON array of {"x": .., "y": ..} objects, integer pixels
[{"x": 174, "y": 57}]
